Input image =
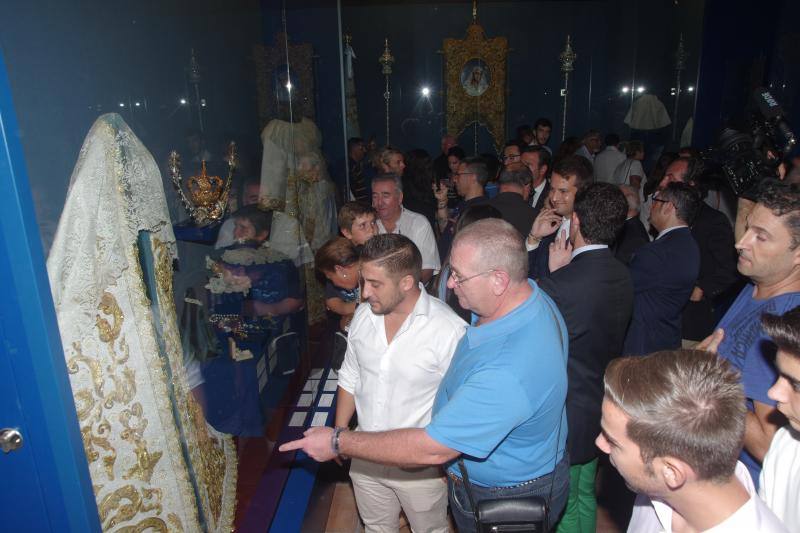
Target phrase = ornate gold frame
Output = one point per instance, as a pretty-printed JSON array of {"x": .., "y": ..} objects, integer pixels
[
  {"x": 267, "y": 59},
  {"x": 489, "y": 108}
]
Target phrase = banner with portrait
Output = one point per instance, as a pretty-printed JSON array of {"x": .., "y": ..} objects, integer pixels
[{"x": 475, "y": 77}]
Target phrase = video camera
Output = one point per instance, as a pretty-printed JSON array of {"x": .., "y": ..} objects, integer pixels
[{"x": 744, "y": 159}]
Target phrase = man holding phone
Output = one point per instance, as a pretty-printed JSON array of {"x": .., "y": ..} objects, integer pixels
[{"x": 569, "y": 174}]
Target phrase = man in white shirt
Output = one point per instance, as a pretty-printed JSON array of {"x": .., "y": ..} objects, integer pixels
[
  {"x": 399, "y": 347},
  {"x": 673, "y": 425},
  {"x": 606, "y": 161},
  {"x": 590, "y": 145},
  {"x": 387, "y": 199},
  {"x": 780, "y": 473}
]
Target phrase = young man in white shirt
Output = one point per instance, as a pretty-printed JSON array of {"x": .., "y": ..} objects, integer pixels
[
  {"x": 673, "y": 425},
  {"x": 387, "y": 199},
  {"x": 399, "y": 348},
  {"x": 606, "y": 161},
  {"x": 780, "y": 473}
]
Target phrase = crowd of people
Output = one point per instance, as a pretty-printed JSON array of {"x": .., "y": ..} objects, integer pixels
[{"x": 503, "y": 323}]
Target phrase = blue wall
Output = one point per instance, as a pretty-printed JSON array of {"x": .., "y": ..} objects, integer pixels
[
  {"x": 69, "y": 62},
  {"x": 615, "y": 40}
]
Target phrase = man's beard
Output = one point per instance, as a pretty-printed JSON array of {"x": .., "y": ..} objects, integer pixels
[{"x": 390, "y": 306}]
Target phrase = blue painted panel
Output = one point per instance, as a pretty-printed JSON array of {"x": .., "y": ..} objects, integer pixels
[{"x": 51, "y": 481}]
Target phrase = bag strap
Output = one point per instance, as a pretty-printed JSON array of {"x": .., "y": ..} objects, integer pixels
[
  {"x": 463, "y": 468},
  {"x": 465, "y": 479}
]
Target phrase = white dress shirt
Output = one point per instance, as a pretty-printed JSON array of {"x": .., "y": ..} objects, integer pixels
[
  {"x": 655, "y": 516},
  {"x": 606, "y": 162},
  {"x": 394, "y": 384},
  {"x": 417, "y": 228}
]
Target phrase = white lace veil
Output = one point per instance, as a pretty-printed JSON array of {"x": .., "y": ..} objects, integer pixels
[{"x": 115, "y": 191}]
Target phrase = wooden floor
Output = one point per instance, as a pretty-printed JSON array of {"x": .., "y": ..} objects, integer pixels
[{"x": 343, "y": 515}]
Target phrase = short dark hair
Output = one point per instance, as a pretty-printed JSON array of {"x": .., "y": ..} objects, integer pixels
[
  {"x": 475, "y": 213},
  {"x": 784, "y": 330},
  {"x": 457, "y": 151},
  {"x": 601, "y": 209},
  {"x": 523, "y": 131},
  {"x": 694, "y": 169},
  {"x": 396, "y": 253},
  {"x": 514, "y": 142},
  {"x": 686, "y": 199},
  {"x": 544, "y": 156},
  {"x": 477, "y": 165},
  {"x": 574, "y": 166},
  {"x": 353, "y": 141},
  {"x": 336, "y": 252},
  {"x": 543, "y": 122},
  {"x": 687, "y": 404},
  {"x": 612, "y": 139},
  {"x": 350, "y": 211},
  {"x": 261, "y": 219},
  {"x": 517, "y": 176},
  {"x": 783, "y": 200}
]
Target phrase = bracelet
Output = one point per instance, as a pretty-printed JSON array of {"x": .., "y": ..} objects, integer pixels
[{"x": 335, "y": 439}]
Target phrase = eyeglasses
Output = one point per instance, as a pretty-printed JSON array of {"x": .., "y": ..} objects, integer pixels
[
  {"x": 512, "y": 156},
  {"x": 459, "y": 281}
]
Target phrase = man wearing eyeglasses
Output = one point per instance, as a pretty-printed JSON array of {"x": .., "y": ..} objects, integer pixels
[
  {"x": 512, "y": 152},
  {"x": 500, "y": 406},
  {"x": 664, "y": 272}
]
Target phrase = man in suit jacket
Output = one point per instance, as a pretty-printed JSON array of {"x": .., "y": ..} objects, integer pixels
[
  {"x": 664, "y": 272},
  {"x": 512, "y": 201},
  {"x": 594, "y": 293},
  {"x": 569, "y": 174},
  {"x": 537, "y": 159},
  {"x": 633, "y": 234},
  {"x": 714, "y": 235}
]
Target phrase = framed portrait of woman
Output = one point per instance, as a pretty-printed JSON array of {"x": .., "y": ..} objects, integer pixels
[{"x": 475, "y": 77}]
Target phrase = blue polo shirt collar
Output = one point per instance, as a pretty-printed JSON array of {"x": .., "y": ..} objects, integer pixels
[{"x": 516, "y": 319}]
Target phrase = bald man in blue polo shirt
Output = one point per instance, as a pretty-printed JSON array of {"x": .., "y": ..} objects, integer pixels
[{"x": 500, "y": 407}]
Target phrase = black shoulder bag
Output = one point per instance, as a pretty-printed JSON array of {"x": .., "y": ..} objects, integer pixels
[
  {"x": 498, "y": 515},
  {"x": 530, "y": 513}
]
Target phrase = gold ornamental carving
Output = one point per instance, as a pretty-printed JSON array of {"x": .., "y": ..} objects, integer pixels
[
  {"x": 213, "y": 456},
  {"x": 475, "y": 77}
]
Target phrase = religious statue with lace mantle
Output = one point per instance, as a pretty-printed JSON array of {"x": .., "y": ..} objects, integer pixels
[{"x": 294, "y": 179}]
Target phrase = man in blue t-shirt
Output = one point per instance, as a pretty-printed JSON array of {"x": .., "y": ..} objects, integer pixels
[
  {"x": 500, "y": 406},
  {"x": 769, "y": 254}
]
